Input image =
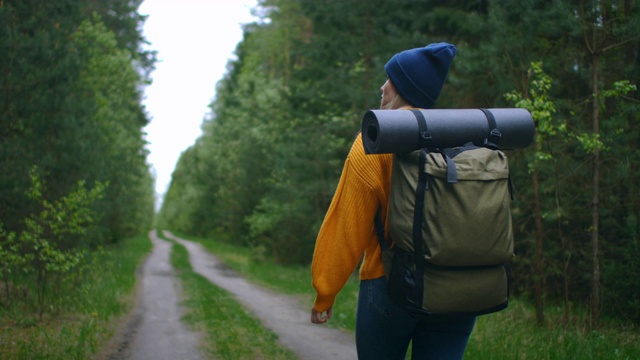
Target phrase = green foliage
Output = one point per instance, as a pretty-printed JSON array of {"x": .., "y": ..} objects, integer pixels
[
  {"x": 590, "y": 142},
  {"x": 620, "y": 88},
  {"x": 71, "y": 100},
  {"x": 70, "y": 94},
  {"x": 115, "y": 128},
  {"x": 43, "y": 247},
  {"x": 538, "y": 102},
  {"x": 542, "y": 108}
]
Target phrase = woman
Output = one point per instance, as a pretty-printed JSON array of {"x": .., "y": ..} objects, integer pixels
[{"x": 383, "y": 330}]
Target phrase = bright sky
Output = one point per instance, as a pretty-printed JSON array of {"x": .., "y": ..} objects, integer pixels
[{"x": 194, "y": 39}]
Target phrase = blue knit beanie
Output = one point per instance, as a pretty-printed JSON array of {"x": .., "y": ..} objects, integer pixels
[{"x": 419, "y": 74}]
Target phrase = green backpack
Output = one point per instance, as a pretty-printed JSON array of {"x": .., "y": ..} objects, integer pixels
[{"x": 450, "y": 219}]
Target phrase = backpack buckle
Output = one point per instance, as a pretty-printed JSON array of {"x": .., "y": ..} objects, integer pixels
[
  {"x": 493, "y": 139},
  {"x": 494, "y": 136},
  {"x": 426, "y": 139}
]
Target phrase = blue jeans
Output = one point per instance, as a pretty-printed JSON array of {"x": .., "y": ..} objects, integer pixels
[{"x": 384, "y": 330}]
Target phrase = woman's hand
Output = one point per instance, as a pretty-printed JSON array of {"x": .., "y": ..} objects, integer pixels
[{"x": 318, "y": 317}]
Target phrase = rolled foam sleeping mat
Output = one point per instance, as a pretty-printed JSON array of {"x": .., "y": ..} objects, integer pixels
[{"x": 397, "y": 131}]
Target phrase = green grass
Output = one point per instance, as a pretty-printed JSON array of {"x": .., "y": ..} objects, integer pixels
[
  {"x": 509, "y": 334},
  {"x": 512, "y": 334},
  {"x": 230, "y": 332},
  {"x": 82, "y": 311}
]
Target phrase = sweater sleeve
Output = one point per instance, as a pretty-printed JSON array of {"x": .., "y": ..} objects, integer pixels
[{"x": 347, "y": 231}]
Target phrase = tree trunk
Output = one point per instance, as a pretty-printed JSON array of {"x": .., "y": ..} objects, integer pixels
[
  {"x": 595, "y": 203},
  {"x": 567, "y": 247},
  {"x": 567, "y": 251},
  {"x": 539, "y": 262}
]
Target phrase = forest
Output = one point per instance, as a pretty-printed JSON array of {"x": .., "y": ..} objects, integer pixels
[
  {"x": 74, "y": 174},
  {"x": 284, "y": 116}
]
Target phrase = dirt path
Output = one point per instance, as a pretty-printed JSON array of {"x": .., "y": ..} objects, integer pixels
[
  {"x": 280, "y": 313},
  {"x": 155, "y": 331}
]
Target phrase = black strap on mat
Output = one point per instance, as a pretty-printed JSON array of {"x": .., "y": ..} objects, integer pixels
[
  {"x": 425, "y": 138},
  {"x": 494, "y": 135},
  {"x": 492, "y": 140}
]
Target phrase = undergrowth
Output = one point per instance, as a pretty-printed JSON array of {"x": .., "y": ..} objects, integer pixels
[{"x": 84, "y": 312}]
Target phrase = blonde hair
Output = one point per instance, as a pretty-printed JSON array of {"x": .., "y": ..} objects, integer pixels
[{"x": 397, "y": 101}]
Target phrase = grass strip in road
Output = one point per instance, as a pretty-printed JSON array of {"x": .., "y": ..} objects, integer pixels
[
  {"x": 230, "y": 332},
  {"x": 84, "y": 312}
]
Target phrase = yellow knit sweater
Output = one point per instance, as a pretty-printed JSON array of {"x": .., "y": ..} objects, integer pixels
[{"x": 348, "y": 231}]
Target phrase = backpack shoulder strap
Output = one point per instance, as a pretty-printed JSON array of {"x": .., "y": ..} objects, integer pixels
[
  {"x": 380, "y": 231},
  {"x": 418, "y": 211}
]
